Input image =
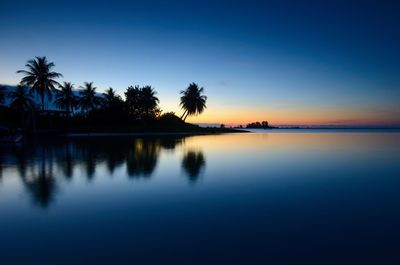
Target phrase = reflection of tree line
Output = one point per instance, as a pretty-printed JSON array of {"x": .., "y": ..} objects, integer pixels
[
  {"x": 1, "y": 166},
  {"x": 38, "y": 164}
]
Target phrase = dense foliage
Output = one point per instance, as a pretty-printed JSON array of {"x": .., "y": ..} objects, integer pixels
[{"x": 62, "y": 107}]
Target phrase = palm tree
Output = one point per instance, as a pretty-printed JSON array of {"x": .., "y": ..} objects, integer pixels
[
  {"x": 132, "y": 98},
  {"x": 88, "y": 99},
  {"x": 110, "y": 97},
  {"x": 192, "y": 101},
  {"x": 65, "y": 98},
  {"x": 148, "y": 100},
  {"x": 21, "y": 98},
  {"x": 2, "y": 94},
  {"x": 40, "y": 77}
]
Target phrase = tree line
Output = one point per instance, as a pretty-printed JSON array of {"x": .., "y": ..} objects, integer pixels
[
  {"x": 258, "y": 125},
  {"x": 139, "y": 103}
]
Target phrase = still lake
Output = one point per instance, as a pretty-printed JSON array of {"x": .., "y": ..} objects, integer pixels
[{"x": 268, "y": 197}]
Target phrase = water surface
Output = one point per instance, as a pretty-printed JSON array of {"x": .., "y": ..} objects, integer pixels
[{"x": 271, "y": 197}]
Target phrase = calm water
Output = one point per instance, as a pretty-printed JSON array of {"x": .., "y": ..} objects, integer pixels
[{"x": 298, "y": 197}]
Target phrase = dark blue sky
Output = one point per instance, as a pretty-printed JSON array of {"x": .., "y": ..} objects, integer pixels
[{"x": 297, "y": 62}]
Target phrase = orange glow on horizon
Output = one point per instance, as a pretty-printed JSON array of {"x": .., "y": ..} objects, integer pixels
[{"x": 307, "y": 117}]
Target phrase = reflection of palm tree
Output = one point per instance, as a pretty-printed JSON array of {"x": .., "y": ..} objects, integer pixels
[
  {"x": 22, "y": 163},
  {"x": 142, "y": 158},
  {"x": 40, "y": 77},
  {"x": 193, "y": 162},
  {"x": 42, "y": 188},
  {"x": 1, "y": 166},
  {"x": 192, "y": 101},
  {"x": 169, "y": 143},
  {"x": 65, "y": 98},
  {"x": 88, "y": 98},
  {"x": 42, "y": 185},
  {"x": 67, "y": 162},
  {"x": 90, "y": 165},
  {"x": 114, "y": 160}
]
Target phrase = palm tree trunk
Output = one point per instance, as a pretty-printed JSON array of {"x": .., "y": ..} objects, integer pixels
[
  {"x": 33, "y": 120},
  {"x": 22, "y": 120},
  {"x": 42, "y": 97},
  {"x": 68, "y": 116},
  {"x": 183, "y": 114},
  {"x": 187, "y": 114}
]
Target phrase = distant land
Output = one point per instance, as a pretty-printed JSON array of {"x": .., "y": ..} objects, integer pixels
[{"x": 324, "y": 126}]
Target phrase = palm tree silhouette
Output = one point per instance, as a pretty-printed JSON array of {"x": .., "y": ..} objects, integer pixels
[
  {"x": 40, "y": 77},
  {"x": 21, "y": 98},
  {"x": 88, "y": 98},
  {"x": 2, "y": 94},
  {"x": 65, "y": 98},
  {"x": 192, "y": 101},
  {"x": 132, "y": 95},
  {"x": 110, "y": 97},
  {"x": 148, "y": 100}
]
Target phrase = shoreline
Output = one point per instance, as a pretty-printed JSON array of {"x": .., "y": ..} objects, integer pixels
[{"x": 166, "y": 133}]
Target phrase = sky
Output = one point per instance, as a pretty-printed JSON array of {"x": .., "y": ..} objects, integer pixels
[{"x": 287, "y": 62}]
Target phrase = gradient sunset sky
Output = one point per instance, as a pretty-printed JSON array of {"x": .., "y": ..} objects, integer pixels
[{"x": 288, "y": 62}]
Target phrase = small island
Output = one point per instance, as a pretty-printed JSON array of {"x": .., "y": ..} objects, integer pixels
[{"x": 259, "y": 125}]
